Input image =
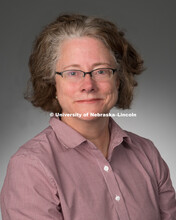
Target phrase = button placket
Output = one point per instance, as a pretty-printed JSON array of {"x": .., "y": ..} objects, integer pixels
[{"x": 112, "y": 185}]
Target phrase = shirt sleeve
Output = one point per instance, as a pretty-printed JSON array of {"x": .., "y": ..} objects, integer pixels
[
  {"x": 28, "y": 193},
  {"x": 167, "y": 199}
]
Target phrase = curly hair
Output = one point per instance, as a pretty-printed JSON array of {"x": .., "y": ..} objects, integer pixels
[{"x": 45, "y": 55}]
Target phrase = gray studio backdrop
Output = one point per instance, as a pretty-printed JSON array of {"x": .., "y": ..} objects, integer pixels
[{"x": 149, "y": 26}]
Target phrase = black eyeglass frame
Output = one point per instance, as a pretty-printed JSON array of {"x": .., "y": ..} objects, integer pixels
[{"x": 90, "y": 73}]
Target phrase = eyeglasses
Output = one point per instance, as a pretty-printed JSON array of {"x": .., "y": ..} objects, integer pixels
[{"x": 101, "y": 74}]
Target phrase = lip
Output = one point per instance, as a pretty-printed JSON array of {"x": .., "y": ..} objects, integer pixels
[{"x": 88, "y": 100}]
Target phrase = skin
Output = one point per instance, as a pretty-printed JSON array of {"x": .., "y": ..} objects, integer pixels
[{"x": 86, "y": 54}]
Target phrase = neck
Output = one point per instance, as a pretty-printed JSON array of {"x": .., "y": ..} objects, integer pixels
[{"x": 96, "y": 131}]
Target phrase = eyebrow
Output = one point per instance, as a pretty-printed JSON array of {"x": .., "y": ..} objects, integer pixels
[{"x": 93, "y": 66}]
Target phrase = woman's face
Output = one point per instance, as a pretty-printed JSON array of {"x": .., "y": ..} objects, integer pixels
[{"x": 87, "y": 95}]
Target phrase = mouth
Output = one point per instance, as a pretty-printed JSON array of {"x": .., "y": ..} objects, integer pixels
[{"x": 89, "y": 100}]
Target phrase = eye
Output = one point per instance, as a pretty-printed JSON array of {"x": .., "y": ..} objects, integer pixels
[
  {"x": 101, "y": 71},
  {"x": 72, "y": 73}
]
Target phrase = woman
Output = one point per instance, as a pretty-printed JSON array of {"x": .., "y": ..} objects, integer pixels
[{"x": 81, "y": 166}]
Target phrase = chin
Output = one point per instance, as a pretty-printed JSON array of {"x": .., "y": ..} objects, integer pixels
[
  {"x": 92, "y": 115},
  {"x": 89, "y": 118}
]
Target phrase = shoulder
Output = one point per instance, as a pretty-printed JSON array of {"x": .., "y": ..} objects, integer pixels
[
  {"x": 30, "y": 179},
  {"x": 148, "y": 155},
  {"x": 140, "y": 143},
  {"x": 151, "y": 160},
  {"x": 144, "y": 149},
  {"x": 40, "y": 150},
  {"x": 40, "y": 145},
  {"x": 137, "y": 139}
]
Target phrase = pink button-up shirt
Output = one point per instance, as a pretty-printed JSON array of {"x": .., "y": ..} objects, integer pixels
[{"x": 61, "y": 175}]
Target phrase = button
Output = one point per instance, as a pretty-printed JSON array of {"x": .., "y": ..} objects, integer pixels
[
  {"x": 106, "y": 168},
  {"x": 117, "y": 198}
]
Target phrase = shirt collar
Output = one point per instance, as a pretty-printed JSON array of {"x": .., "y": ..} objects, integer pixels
[
  {"x": 117, "y": 134},
  {"x": 70, "y": 138}
]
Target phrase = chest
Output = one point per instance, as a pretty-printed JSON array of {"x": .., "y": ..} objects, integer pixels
[{"x": 90, "y": 187}]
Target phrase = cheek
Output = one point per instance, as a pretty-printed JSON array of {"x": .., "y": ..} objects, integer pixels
[
  {"x": 63, "y": 91},
  {"x": 112, "y": 94},
  {"x": 115, "y": 89},
  {"x": 110, "y": 89}
]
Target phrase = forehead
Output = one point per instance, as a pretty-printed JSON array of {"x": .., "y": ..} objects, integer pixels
[{"x": 84, "y": 51}]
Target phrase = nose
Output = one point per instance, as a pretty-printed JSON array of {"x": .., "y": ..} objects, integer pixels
[{"x": 88, "y": 84}]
